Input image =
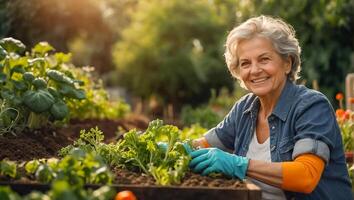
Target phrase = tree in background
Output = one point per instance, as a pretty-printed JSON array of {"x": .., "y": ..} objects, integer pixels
[
  {"x": 173, "y": 49},
  {"x": 325, "y": 29}
]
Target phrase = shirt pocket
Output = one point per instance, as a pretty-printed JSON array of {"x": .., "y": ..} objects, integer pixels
[{"x": 286, "y": 148}]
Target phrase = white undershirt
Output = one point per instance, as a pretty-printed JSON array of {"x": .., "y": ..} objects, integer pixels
[{"x": 258, "y": 151}]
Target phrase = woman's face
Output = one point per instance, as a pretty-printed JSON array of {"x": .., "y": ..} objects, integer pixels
[{"x": 261, "y": 68}]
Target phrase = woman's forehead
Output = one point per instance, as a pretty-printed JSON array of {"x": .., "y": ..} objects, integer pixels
[{"x": 256, "y": 46}]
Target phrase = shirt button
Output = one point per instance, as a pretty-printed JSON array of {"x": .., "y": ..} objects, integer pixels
[
  {"x": 272, "y": 148},
  {"x": 273, "y": 127}
]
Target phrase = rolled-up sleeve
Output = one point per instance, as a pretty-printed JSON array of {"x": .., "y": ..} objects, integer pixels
[{"x": 316, "y": 128}]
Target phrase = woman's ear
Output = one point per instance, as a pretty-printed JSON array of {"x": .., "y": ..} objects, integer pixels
[{"x": 288, "y": 64}]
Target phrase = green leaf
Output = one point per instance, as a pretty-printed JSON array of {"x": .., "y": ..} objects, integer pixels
[
  {"x": 8, "y": 168},
  {"x": 19, "y": 85},
  {"x": 28, "y": 76},
  {"x": 59, "y": 77},
  {"x": 70, "y": 91},
  {"x": 17, "y": 69},
  {"x": 54, "y": 92},
  {"x": 36, "y": 61},
  {"x": 44, "y": 174},
  {"x": 3, "y": 53},
  {"x": 62, "y": 57},
  {"x": 38, "y": 101},
  {"x": 32, "y": 166},
  {"x": 39, "y": 83},
  {"x": 3, "y": 77},
  {"x": 59, "y": 110},
  {"x": 7, "y": 94},
  {"x": 42, "y": 48},
  {"x": 12, "y": 45}
]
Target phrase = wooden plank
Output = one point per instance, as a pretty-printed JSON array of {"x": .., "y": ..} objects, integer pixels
[
  {"x": 349, "y": 90},
  {"x": 163, "y": 192},
  {"x": 254, "y": 192}
]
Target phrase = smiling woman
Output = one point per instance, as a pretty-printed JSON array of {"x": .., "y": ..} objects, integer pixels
[{"x": 283, "y": 136}]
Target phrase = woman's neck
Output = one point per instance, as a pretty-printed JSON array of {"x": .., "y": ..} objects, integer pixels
[{"x": 268, "y": 102}]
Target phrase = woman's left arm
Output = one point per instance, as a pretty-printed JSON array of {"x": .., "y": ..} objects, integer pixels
[{"x": 301, "y": 175}]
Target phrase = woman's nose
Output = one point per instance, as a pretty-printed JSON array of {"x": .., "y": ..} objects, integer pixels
[{"x": 255, "y": 68}]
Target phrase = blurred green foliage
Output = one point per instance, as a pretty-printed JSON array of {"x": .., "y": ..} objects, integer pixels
[
  {"x": 174, "y": 48},
  {"x": 203, "y": 115}
]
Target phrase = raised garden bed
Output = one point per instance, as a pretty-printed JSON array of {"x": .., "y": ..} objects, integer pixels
[
  {"x": 40, "y": 144},
  {"x": 153, "y": 192}
]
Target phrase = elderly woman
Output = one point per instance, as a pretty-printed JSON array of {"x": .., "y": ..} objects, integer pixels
[{"x": 283, "y": 136}]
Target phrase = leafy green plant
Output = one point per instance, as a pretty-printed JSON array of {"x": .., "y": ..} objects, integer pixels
[
  {"x": 77, "y": 168},
  {"x": 97, "y": 104},
  {"x": 36, "y": 86},
  {"x": 8, "y": 168},
  {"x": 92, "y": 141},
  {"x": 60, "y": 190},
  {"x": 140, "y": 151}
]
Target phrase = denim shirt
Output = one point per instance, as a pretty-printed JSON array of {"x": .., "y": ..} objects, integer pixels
[{"x": 303, "y": 121}]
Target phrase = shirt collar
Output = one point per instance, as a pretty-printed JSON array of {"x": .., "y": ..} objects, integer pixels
[
  {"x": 283, "y": 105},
  {"x": 285, "y": 101}
]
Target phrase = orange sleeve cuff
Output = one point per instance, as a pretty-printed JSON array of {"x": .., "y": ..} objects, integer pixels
[
  {"x": 302, "y": 174},
  {"x": 201, "y": 143},
  {"x": 204, "y": 143}
]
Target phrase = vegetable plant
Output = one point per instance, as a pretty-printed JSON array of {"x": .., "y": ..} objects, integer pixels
[
  {"x": 60, "y": 190},
  {"x": 67, "y": 176},
  {"x": 8, "y": 168},
  {"x": 77, "y": 168},
  {"x": 139, "y": 151},
  {"x": 36, "y": 85}
]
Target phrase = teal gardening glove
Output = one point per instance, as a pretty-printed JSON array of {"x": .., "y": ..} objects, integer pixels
[{"x": 211, "y": 160}]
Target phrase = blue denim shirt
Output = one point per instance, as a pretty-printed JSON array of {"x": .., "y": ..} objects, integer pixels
[{"x": 303, "y": 121}]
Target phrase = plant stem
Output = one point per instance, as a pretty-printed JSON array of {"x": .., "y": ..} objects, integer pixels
[{"x": 36, "y": 121}]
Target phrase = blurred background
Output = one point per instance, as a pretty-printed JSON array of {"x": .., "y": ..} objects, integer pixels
[{"x": 165, "y": 57}]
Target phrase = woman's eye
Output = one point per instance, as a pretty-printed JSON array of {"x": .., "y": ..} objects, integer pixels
[
  {"x": 265, "y": 59},
  {"x": 244, "y": 64}
]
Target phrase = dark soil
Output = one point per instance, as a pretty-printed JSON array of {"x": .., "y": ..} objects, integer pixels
[
  {"x": 190, "y": 180},
  {"x": 46, "y": 142}
]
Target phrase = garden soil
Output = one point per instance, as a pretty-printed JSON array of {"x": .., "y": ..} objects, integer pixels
[{"x": 45, "y": 142}]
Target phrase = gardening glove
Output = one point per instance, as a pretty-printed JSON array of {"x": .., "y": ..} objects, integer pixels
[
  {"x": 164, "y": 145},
  {"x": 209, "y": 160}
]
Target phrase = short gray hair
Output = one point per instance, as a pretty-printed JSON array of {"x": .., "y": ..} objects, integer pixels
[{"x": 281, "y": 34}]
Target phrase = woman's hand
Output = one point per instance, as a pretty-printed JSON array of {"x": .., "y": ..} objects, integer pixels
[{"x": 211, "y": 160}]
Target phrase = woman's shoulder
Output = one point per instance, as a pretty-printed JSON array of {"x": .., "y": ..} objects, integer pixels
[
  {"x": 307, "y": 97},
  {"x": 304, "y": 93}
]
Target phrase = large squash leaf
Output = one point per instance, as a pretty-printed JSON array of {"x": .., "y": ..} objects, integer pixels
[
  {"x": 59, "y": 110},
  {"x": 38, "y": 101}
]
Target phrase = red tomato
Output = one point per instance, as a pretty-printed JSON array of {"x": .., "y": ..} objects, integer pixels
[{"x": 125, "y": 195}]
